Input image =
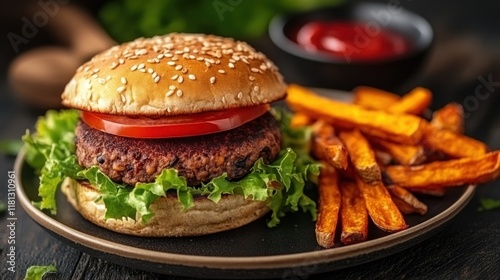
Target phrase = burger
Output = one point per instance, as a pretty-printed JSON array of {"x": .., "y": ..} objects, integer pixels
[{"x": 172, "y": 136}]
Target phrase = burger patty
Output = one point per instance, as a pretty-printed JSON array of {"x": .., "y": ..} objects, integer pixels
[{"x": 198, "y": 159}]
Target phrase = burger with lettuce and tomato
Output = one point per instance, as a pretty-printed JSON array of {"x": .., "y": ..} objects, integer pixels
[{"x": 173, "y": 136}]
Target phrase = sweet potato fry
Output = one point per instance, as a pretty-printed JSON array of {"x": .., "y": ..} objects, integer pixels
[
  {"x": 374, "y": 98},
  {"x": 452, "y": 144},
  {"x": 399, "y": 128},
  {"x": 329, "y": 205},
  {"x": 402, "y": 154},
  {"x": 406, "y": 201},
  {"x": 361, "y": 155},
  {"x": 353, "y": 214},
  {"x": 383, "y": 158},
  {"x": 299, "y": 119},
  {"x": 415, "y": 102},
  {"x": 437, "y": 192},
  {"x": 382, "y": 210},
  {"x": 327, "y": 146},
  {"x": 450, "y": 117},
  {"x": 453, "y": 172}
]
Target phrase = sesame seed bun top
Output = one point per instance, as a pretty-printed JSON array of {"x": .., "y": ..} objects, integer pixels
[{"x": 174, "y": 74}]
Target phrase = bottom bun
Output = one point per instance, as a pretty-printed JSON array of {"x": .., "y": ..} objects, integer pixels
[{"x": 169, "y": 219}]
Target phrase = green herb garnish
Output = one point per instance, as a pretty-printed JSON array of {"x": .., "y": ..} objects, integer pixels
[
  {"x": 489, "y": 204},
  {"x": 37, "y": 272}
]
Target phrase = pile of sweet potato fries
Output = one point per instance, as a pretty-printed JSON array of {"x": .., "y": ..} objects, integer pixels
[{"x": 377, "y": 152}]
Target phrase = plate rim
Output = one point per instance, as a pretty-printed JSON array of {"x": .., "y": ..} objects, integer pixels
[{"x": 237, "y": 262}]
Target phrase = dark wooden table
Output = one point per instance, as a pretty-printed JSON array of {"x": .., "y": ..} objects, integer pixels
[{"x": 466, "y": 54}]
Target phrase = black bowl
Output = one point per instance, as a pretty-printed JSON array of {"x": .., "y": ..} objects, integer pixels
[{"x": 321, "y": 70}]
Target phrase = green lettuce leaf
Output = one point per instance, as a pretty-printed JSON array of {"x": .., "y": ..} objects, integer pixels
[
  {"x": 280, "y": 183},
  {"x": 51, "y": 151}
]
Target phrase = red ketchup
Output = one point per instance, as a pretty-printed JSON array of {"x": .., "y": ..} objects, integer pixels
[{"x": 352, "y": 41}]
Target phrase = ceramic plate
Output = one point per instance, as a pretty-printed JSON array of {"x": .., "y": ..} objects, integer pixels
[{"x": 252, "y": 251}]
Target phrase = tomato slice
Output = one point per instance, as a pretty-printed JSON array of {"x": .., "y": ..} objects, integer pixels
[{"x": 173, "y": 126}]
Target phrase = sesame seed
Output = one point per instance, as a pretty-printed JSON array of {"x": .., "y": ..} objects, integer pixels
[
  {"x": 157, "y": 79},
  {"x": 208, "y": 64},
  {"x": 175, "y": 58},
  {"x": 174, "y": 77},
  {"x": 150, "y": 70},
  {"x": 230, "y": 65},
  {"x": 124, "y": 80},
  {"x": 180, "y": 79},
  {"x": 221, "y": 71},
  {"x": 171, "y": 87},
  {"x": 199, "y": 58},
  {"x": 86, "y": 69},
  {"x": 122, "y": 97},
  {"x": 168, "y": 55},
  {"x": 95, "y": 76},
  {"x": 178, "y": 67},
  {"x": 255, "y": 70},
  {"x": 240, "y": 95},
  {"x": 141, "y": 66},
  {"x": 223, "y": 99},
  {"x": 114, "y": 65},
  {"x": 170, "y": 92},
  {"x": 121, "y": 61},
  {"x": 101, "y": 81},
  {"x": 160, "y": 56},
  {"x": 256, "y": 88},
  {"x": 142, "y": 70},
  {"x": 95, "y": 70},
  {"x": 120, "y": 89},
  {"x": 133, "y": 67},
  {"x": 179, "y": 92},
  {"x": 191, "y": 77},
  {"x": 171, "y": 63},
  {"x": 192, "y": 56},
  {"x": 251, "y": 78},
  {"x": 108, "y": 77},
  {"x": 141, "y": 52},
  {"x": 184, "y": 71},
  {"x": 212, "y": 80}
]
